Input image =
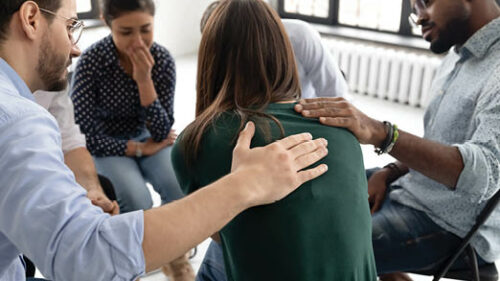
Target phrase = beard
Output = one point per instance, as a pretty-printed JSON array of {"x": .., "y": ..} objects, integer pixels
[
  {"x": 52, "y": 67},
  {"x": 454, "y": 33}
]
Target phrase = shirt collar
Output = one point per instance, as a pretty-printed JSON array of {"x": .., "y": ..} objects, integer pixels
[
  {"x": 16, "y": 80},
  {"x": 479, "y": 44}
]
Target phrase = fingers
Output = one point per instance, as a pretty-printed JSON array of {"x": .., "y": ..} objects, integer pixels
[
  {"x": 313, "y": 173},
  {"x": 310, "y": 158},
  {"x": 336, "y": 122},
  {"x": 377, "y": 202},
  {"x": 245, "y": 137},
  {"x": 332, "y": 111},
  {"x": 145, "y": 55},
  {"x": 324, "y": 99},
  {"x": 116, "y": 209},
  {"x": 294, "y": 140},
  {"x": 308, "y": 147},
  {"x": 105, "y": 204},
  {"x": 309, "y": 104},
  {"x": 141, "y": 56}
]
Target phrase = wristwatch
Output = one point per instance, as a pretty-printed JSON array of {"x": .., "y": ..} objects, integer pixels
[{"x": 138, "y": 150}]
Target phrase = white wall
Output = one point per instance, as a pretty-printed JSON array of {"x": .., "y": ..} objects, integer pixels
[{"x": 177, "y": 24}]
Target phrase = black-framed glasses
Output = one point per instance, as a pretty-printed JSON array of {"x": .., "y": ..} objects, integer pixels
[
  {"x": 419, "y": 7},
  {"x": 74, "y": 30}
]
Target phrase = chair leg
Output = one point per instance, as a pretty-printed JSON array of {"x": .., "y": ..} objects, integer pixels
[{"x": 473, "y": 263}]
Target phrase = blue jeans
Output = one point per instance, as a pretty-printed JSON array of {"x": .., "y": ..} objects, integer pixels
[
  {"x": 404, "y": 239},
  {"x": 130, "y": 174}
]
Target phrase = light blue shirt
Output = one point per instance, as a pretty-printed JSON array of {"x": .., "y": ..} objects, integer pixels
[
  {"x": 464, "y": 113},
  {"x": 44, "y": 213},
  {"x": 319, "y": 74}
]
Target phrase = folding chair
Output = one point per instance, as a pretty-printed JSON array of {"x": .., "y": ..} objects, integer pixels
[{"x": 486, "y": 272}]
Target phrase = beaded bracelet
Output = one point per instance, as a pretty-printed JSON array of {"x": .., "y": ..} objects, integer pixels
[{"x": 390, "y": 140}]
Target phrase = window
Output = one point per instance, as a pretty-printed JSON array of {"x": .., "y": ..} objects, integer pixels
[
  {"x": 314, "y": 8},
  {"x": 373, "y": 14},
  {"x": 87, "y": 9},
  {"x": 385, "y": 16}
]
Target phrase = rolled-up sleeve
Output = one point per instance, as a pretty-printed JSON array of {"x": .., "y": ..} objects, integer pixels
[
  {"x": 47, "y": 216},
  {"x": 481, "y": 154}
]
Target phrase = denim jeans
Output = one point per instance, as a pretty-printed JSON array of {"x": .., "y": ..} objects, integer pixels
[
  {"x": 130, "y": 174},
  {"x": 404, "y": 239}
]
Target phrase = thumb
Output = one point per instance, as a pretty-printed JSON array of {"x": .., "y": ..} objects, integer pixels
[
  {"x": 246, "y": 136},
  {"x": 376, "y": 206}
]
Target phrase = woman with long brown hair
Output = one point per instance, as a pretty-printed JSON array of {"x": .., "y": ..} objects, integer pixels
[{"x": 247, "y": 71}]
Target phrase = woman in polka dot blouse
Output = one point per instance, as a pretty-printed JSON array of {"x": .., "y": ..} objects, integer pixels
[{"x": 123, "y": 92}]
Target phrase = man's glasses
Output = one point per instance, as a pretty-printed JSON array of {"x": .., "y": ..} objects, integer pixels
[
  {"x": 74, "y": 30},
  {"x": 419, "y": 7}
]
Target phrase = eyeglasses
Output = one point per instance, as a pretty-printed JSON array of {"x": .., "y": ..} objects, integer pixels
[
  {"x": 74, "y": 30},
  {"x": 419, "y": 7}
]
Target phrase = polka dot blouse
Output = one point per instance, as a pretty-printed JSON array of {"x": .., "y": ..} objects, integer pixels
[{"x": 107, "y": 102}]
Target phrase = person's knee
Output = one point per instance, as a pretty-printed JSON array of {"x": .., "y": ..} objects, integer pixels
[
  {"x": 132, "y": 199},
  {"x": 380, "y": 235},
  {"x": 140, "y": 204}
]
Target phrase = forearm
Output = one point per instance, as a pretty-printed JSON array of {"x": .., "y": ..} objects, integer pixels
[
  {"x": 442, "y": 163},
  {"x": 82, "y": 165},
  {"x": 394, "y": 171},
  {"x": 147, "y": 92},
  {"x": 173, "y": 229}
]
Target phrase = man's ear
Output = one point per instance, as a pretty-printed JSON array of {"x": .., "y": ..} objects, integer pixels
[{"x": 30, "y": 19}]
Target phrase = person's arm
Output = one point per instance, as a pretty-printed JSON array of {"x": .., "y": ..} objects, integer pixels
[
  {"x": 82, "y": 165},
  {"x": 259, "y": 176},
  {"x": 47, "y": 216},
  {"x": 442, "y": 163},
  {"x": 76, "y": 155},
  {"x": 157, "y": 97}
]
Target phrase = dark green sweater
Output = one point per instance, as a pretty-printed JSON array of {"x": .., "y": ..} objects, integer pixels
[{"x": 320, "y": 232}]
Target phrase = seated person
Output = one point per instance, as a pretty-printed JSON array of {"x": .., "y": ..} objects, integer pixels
[
  {"x": 320, "y": 232},
  {"x": 319, "y": 76},
  {"x": 123, "y": 93}
]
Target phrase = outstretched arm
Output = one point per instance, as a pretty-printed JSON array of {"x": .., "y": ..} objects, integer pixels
[
  {"x": 442, "y": 163},
  {"x": 259, "y": 176}
]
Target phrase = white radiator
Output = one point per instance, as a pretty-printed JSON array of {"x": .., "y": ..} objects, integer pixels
[{"x": 391, "y": 74}]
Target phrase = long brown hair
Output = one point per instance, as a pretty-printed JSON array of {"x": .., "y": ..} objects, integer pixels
[{"x": 245, "y": 62}]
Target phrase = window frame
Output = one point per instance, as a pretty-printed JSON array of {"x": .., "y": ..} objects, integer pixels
[
  {"x": 333, "y": 18},
  {"x": 94, "y": 13}
]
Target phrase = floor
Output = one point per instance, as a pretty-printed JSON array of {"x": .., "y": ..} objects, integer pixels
[{"x": 408, "y": 118}]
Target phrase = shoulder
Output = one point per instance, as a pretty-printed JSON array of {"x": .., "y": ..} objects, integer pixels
[
  {"x": 97, "y": 54},
  {"x": 16, "y": 109},
  {"x": 298, "y": 29},
  {"x": 161, "y": 55}
]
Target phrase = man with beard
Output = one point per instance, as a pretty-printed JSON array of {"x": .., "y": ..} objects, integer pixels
[
  {"x": 45, "y": 213},
  {"x": 423, "y": 204}
]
